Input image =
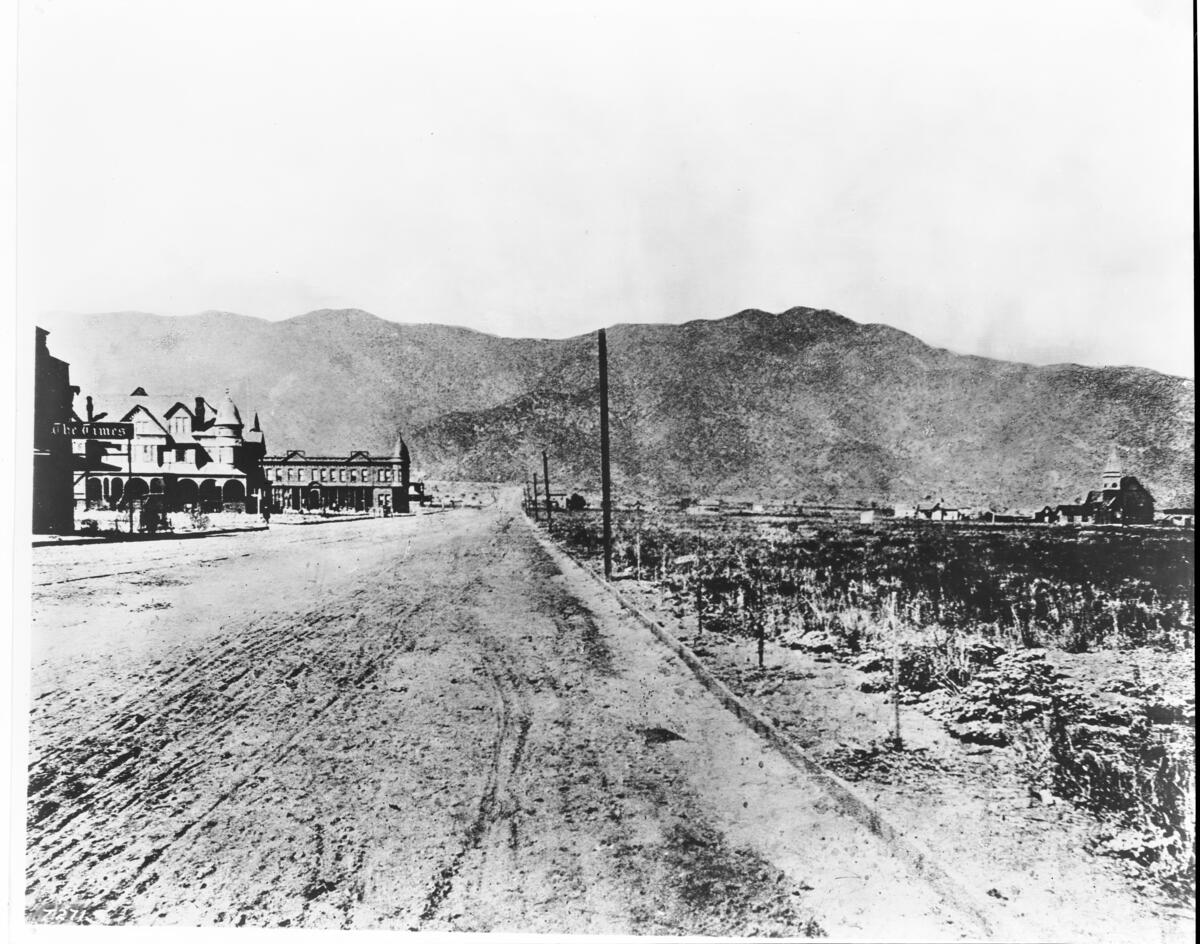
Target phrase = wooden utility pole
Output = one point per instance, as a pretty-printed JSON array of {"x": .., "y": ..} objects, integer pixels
[
  {"x": 605, "y": 479},
  {"x": 129, "y": 453},
  {"x": 535, "y": 498},
  {"x": 546, "y": 483},
  {"x": 637, "y": 546}
]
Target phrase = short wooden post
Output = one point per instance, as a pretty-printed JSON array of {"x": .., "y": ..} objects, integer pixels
[{"x": 897, "y": 742}]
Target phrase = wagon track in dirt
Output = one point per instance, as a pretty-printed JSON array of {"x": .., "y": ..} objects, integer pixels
[
  {"x": 405, "y": 726},
  {"x": 177, "y": 722}
]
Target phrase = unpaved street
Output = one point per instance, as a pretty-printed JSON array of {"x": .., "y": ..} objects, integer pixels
[{"x": 415, "y": 723}]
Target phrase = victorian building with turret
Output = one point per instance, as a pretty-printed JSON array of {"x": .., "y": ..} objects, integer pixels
[{"x": 185, "y": 452}]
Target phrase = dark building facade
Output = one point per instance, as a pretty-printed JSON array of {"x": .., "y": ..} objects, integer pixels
[
  {"x": 1121, "y": 499},
  {"x": 53, "y": 507},
  {"x": 357, "y": 482}
]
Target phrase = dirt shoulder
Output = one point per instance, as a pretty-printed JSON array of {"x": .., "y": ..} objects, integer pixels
[{"x": 970, "y": 804}]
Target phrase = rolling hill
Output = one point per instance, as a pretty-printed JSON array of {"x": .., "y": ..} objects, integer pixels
[{"x": 805, "y": 405}]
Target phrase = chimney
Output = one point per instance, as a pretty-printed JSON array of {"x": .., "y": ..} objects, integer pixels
[
  {"x": 89, "y": 409},
  {"x": 199, "y": 412}
]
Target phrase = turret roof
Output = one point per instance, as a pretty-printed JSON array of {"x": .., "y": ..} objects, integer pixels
[{"x": 227, "y": 413}]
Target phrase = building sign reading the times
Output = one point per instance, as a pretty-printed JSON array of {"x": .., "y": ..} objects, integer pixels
[{"x": 94, "y": 430}]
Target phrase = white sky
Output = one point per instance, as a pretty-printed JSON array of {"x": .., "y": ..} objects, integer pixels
[{"x": 1011, "y": 179}]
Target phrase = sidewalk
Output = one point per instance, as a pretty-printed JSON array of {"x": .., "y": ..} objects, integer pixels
[
  {"x": 113, "y": 537},
  {"x": 297, "y": 520}
]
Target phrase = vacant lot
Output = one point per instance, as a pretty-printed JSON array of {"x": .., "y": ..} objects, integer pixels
[{"x": 1057, "y": 662}]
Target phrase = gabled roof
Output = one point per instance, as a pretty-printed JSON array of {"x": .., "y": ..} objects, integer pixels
[
  {"x": 179, "y": 405},
  {"x": 140, "y": 406}
]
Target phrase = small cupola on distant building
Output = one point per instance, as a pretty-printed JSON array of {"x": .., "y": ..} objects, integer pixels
[{"x": 1112, "y": 472}]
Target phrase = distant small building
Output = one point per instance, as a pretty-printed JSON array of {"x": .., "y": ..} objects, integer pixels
[
  {"x": 1080, "y": 513},
  {"x": 904, "y": 511},
  {"x": 938, "y": 511},
  {"x": 1178, "y": 517}
]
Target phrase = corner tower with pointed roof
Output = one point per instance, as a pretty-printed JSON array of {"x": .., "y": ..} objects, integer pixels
[
  {"x": 401, "y": 461},
  {"x": 229, "y": 420}
]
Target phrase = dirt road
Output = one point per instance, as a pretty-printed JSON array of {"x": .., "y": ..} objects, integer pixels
[{"x": 415, "y": 723}]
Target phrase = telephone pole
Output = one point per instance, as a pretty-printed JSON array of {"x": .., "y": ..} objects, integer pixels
[
  {"x": 546, "y": 484},
  {"x": 535, "y": 498},
  {"x": 605, "y": 478}
]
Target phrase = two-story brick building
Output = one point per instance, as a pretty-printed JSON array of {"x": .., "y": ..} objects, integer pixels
[
  {"x": 357, "y": 482},
  {"x": 191, "y": 454}
]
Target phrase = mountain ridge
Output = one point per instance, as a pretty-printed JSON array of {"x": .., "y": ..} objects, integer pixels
[{"x": 804, "y": 404}]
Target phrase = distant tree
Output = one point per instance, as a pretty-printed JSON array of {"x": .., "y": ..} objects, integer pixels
[{"x": 576, "y": 502}]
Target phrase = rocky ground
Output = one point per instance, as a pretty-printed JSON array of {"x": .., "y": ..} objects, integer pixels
[
  {"x": 973, "y": 800},
  {"x": 412, "y": 723}
]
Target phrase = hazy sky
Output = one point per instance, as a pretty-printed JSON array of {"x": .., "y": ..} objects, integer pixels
[{"x": 1011, "y": 179}]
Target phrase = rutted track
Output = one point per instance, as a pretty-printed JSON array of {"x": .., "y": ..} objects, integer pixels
[{"x": 407, "y": 725}]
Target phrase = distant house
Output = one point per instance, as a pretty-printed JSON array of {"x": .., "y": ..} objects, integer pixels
[
  {"x": 938, "y": 511},
  {"x": 1082, "y": 513},
  {"x": 1178, "y": 517},
  {"x": 996, "y": 517},
  {"x": 904, "y": 511}
]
